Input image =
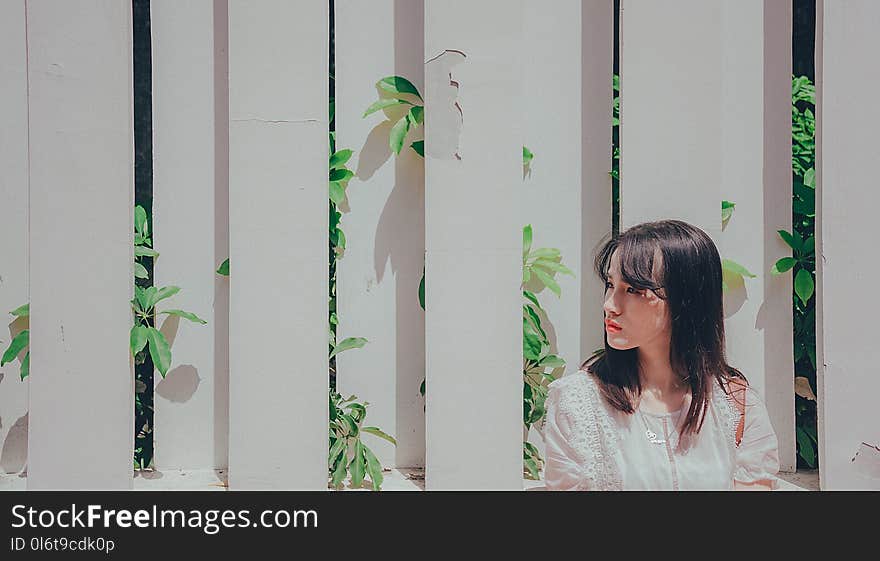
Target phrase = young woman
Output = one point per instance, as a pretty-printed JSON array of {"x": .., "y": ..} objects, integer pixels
[{"x": 660, "y": 408}]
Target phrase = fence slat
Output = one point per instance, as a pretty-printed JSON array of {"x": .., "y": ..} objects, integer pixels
[
  {"x": 378, "y": 277},
  {"x": 190, "y": 228},
  {"x": 670, "y": 129},
  {"x": 473, "y": 240},
  {"x": 13, "y": 230},
  {"x": 756, "y": 175},
  {"x": 278, "y": 223},
  {"x": 846, "y": 313},
  {"x": 81, "y": 198}
]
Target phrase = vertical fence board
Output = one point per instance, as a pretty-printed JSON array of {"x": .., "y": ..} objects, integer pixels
[
  {"x": 383, "y": 220},
  {"x": 670, "y": 127},
  {"x": 13, "y": 230},
  {"x": 756, "y": 176},
  {"x": 597, "y": 69},
  {"x": 473, "y": 181},
  {"x": 278, "y": 224},
  {"x": 190, "y": 229},
  {"x": 846, "y": 314},
  {"x": 81, "y": 198}
]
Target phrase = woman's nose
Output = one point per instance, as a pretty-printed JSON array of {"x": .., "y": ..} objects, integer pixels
[{"x": 610, "y": 305}]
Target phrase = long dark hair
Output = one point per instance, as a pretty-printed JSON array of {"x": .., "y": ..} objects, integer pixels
[{"x": 690, "y": 282}]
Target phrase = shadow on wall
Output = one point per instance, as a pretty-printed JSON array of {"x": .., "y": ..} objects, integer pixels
[{"x": 13, "y": 457}]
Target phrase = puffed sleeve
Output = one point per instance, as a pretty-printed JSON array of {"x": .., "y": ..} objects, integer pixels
[
  {"x": 564, "y": 469},
  {"x": 757, "y": 456}
]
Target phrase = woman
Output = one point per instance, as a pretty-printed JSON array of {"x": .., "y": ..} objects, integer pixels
[{"x": 660, "y": 408}]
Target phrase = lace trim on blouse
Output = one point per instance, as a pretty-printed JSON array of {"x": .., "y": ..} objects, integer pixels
[{"x": 594, "y": 435}]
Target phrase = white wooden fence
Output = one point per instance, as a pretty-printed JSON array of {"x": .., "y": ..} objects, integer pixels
[{"x": 240, "y": 145}]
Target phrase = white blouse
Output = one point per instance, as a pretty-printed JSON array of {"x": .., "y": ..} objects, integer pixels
[{"x": 590, "y": 445}]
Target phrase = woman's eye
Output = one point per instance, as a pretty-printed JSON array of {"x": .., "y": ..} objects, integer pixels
[{"x": 632, "y": 290}]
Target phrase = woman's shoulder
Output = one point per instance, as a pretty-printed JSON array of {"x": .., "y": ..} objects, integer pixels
[{"x": 572, "y": 382}]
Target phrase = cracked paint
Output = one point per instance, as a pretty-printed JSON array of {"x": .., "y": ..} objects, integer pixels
[
  {"x": 447, "y": 116},
  {"x": 867, "y": 460}
]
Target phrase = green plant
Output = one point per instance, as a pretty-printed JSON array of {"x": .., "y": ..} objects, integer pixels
[
  {"x": 539, "y": 269},
  {"x": 802, "y": 264},
  {"x": 348, "y": 455},
  {"x": 20, "y": 343},
  {"x": 143, "y": 334}
]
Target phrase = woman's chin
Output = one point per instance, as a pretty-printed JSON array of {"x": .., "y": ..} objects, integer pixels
[{"x": 619, "y": 343}]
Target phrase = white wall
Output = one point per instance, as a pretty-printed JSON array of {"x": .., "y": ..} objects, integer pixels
[
  {"x": 81, "y": 198},
  {"x": 473, "y": 240},
  {"x": 13, "y": 230},
  {"x": 278, "y": 225},
  {"x": 384, "y": 224},
  {"x": 846, "y": 312},
  {"x": 190, "y": 228}
]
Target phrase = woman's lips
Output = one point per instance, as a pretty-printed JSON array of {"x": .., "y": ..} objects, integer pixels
[{"x": 612, "y": 327}]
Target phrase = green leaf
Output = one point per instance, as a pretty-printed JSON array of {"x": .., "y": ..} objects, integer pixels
[
  {"x": 527, "y": 156},
  {"x": 419, "y": 147},
  {"x": 545, "y": 253},
  {"x": 374, "y": 468},
  {"x": 416, "y": 115},
  {"x": 553, "y": 266},
  {"x": 727, "y": 210},
  {"x": 223, "y": 269},
  {"x": 22, "y": 311},
  {"x": 137, "y": 338},
  {"x": 335, "y": 450},
  {"x": 527, "y": 240},
  {"x": 531, "y": 347},
  {"x": 735, "y": 268},
  {"x": 376, "y": 432},
  {"x": 552, "y": 361},
  {"x": 160, "y": 352},
  {"x": 803, "y": 285},
  {"x": 165, "y": 292},
  {"x": 25, "y": 369},
  {"x": 422, "y": 291},
  {"x": 548, "y": 281},
  {"x": 341, "y": 175},
  {"x": 793, "y": 240},
  {"x": 398, "y": 135},
  {"x": 340, "y": 471},
  {"x": 532, "y": 298},
  {"x": 340, "y": 158},
  {"x": 141, "y": 251},
  {"x": 357, "y": 465},
  {"x": 810, "y": 178},
  {"x": 19, "y": 342},
  {"x": 337, "y": 193},
  {"x": 805, "y": 447},
  {"x": 140, "y": 220},
  {"x": 536, "y": 321},
  {"x": 809, "y": 245},
  {"x": 185, "y": 315},
  {"x": 140, "y": 295},
  {"x": 383, "y": 104},
  {"x": 783, "y": 265},
  {"x": 347, "y": 344},
  {"x": 140, "y": 272},
  {"x": 398, "y": 85}
]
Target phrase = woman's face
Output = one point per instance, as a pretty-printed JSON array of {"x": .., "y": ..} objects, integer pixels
[{"x": 633, "y": 317}]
